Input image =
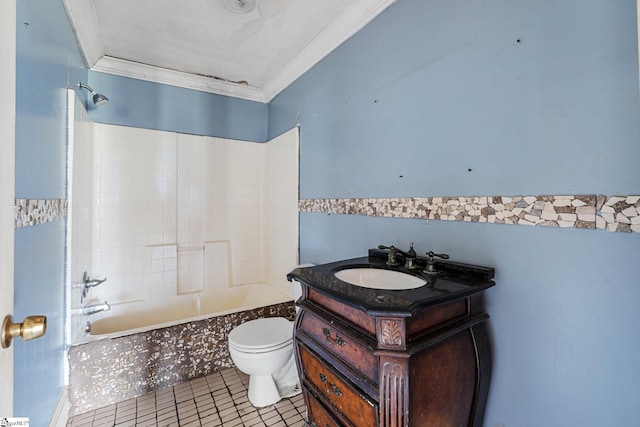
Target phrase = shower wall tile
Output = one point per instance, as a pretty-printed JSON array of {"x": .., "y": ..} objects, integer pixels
[
  {"x": 234, "y": 186},
  {"x": 160, "y": 188},
  {"x": 218, "y": 263},
  {"x": 162, "y": 265},
  {"x": 80, "y": 218},
  {"x": 136, "y": 179},
  {"x": 190, "y": 270},
  {"x": 191, "y": 183},
  {"x": 280, "y": 205}
]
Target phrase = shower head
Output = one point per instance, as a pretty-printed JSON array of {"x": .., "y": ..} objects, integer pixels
[{"x": 98, "y": 98}]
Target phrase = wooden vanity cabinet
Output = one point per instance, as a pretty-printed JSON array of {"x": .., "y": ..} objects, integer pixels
[{"x": 367, "y": 368}]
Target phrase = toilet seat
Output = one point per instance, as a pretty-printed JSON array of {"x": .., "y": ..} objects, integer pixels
[
  {"x": 260, "y": 351},
  {"x": 262, "y": 335}
]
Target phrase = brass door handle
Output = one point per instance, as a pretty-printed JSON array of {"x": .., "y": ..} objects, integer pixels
[{"x": 32, "y": 327}]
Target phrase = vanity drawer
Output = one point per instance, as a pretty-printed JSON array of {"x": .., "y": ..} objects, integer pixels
[
  {"x": 349, "y": 349},
  {"x": 318, "y": 415},
  {"x": 353, "y": 404}
]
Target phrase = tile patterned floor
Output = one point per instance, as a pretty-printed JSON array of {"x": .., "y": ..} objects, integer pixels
[{"x": 219, "y": 399}]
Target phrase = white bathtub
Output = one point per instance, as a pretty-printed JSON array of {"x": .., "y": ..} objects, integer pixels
[{"x": 127, "y": 319}]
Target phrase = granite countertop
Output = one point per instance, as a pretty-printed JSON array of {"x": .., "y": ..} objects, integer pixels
[{"x": 454, "y": 281}]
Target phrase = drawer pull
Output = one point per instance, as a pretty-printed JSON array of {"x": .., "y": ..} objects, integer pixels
[
  {"x": 338, "y": 340},
  {"x": 330, "y": 388}
]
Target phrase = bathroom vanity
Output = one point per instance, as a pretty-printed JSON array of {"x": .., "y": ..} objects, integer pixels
[{"x": 378, "y": 356}]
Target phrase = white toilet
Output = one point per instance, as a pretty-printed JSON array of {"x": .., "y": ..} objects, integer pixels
[{"x": 263, "y": 349}]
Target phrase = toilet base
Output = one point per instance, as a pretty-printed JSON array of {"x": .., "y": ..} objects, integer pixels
[{"x": 263, "y": 391}]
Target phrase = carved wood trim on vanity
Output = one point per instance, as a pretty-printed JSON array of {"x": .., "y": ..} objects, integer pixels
[
  {"x": 391, "y": 334},
  {"x": 394, "y": 393}
]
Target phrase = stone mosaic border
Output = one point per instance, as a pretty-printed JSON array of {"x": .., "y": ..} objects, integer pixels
[
  {"x": 611, "y": 213},
  {"x": 39, "y": 211}
]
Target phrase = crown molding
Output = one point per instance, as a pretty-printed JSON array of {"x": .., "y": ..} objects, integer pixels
[
  {"x": 84, "y": 20},
  {"x": 136, "y": 70}
]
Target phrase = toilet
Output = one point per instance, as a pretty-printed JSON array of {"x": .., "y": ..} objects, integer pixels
[{"x": 263, "y": 349}]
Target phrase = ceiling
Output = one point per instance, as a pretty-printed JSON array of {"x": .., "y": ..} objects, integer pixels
[{"x": 208, "y": 46}]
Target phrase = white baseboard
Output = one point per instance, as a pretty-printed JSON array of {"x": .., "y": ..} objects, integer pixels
[{"x": 61, "y": 414}]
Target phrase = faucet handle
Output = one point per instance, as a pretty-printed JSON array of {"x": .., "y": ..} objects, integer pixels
[
  {"x": 431, "y": 265},
  {"x": 89, "y": 282},
  {"x": 431, "y": 254},
  {"x": 393, "y": 253}
]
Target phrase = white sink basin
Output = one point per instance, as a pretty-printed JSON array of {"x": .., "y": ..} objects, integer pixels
[{"x": 376, "y": 278}]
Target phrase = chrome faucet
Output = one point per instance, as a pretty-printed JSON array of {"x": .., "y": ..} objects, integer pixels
[{"x": 95, "y": 308}]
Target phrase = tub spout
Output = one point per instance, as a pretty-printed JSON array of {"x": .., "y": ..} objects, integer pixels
[{"x": 95, "y": 308}]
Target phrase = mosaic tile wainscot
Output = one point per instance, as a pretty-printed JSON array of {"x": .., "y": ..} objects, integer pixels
[{"x": 111, "y": 370}]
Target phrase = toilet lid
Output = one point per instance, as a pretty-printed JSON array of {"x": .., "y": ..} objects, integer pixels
[{"x": 262, "y": 333}]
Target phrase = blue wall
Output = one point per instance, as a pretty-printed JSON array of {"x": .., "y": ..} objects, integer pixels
[
  {"x": 155, "y": 106},
  {"x": 535, "y": 98},
  {"x": 47, "y": 55}
]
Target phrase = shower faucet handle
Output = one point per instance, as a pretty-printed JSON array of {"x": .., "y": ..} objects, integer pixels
[{"x": 89, "y": 282}]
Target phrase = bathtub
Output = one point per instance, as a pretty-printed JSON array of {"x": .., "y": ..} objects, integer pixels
[
  {"x": 128, "y": 355},
  {"x": 127, "y": 319}
]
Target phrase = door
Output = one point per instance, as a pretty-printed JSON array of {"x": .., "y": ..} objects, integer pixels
[{"x": 7, "y": 188}]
